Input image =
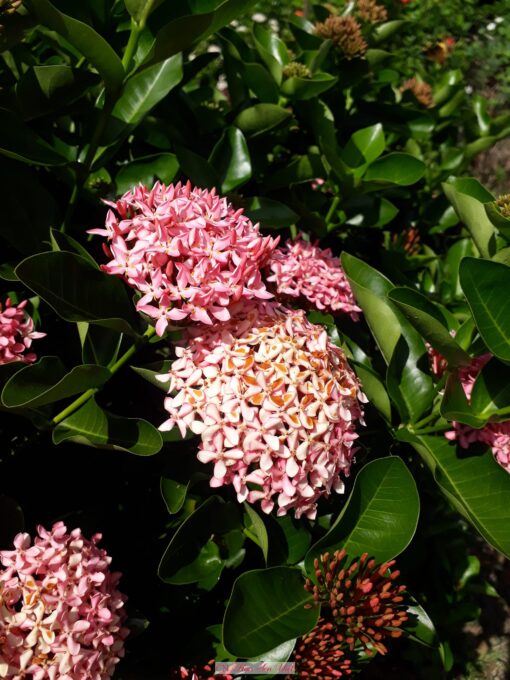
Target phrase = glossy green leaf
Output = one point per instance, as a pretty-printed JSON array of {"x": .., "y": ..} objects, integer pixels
[
  {"x": 260, "y": 81},
  {"x": 430, "y": 322},
  {"x": 256, "y": 525},
  {"x": 270, "y": 214},
  {"x": 231, "y": 159},
  {"x": 374, "y": 389},
  {"x": 99, "y": 345},
  {"x": 93, "y": 426},
  {"x": 272, "y": 51},
  {"x": 141, "y": 9},
  {"x": 396, "y": 168},
  {"x": 486, "y": 285},
  {"x": 82, "y": 36},
  {"x": 372, "y": 521},
  {"x": 77, "y": 291},
  {"x": 43, "y": 89},
  {"x": 364, "y": 146},
  {"x": 468, "y": 198},
  {"x": 191, "y": 554},
  {"x": 297, "y": 537},
  {"x": 152, "y": 371},
  {"x": 146, "y": 170},
  {"x": 260, "y": 118},
  {"x": 501, "y": 222},
  {"x": 185, "y": 31},
  {"x": 387, "y": 29},
  {"x": 455, "y": 405},
  {"x": 198, "y": 169},
  {"x": 19, "y": 142},
  {"x": 420, "y": 627},
  {"x": 475, "y": 485},
  {"x": 490, "y": 395},
  {"x": 308, "y": 88},
  {"x": 266, "y": 609},
  {"x": 48, "y": 381},
  {"x": 146, "y": 89},
  {"x": 301, "y": 169},
  {"x": 61, "y": 241}
]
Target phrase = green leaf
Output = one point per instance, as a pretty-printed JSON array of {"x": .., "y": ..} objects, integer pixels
[
  {"x": 270, "y": 214},
  {"x": 48, "y": 381},
  {"x": 256, "y": 525},
  {"x": 501, "y": 222},
  {"x": 301, "y": 169},
  {"x": 191, "y": 555},
  {"x": 256, "y": 120},
  {"x": 308, "y": 88},
  {"x": 18, "y": 141},
  {"x": 174, "y": 493},
  {"x": 185, "y": 31},
  {"x": 491, "y": 392},
  {"x": 77, "y": 291},
  {"x": 374, "y": 389},
  {"x": 231, "y": 159},
  {"x": 272, "y": 51},
  {"x": 91, "y": 425},
  {"x": 99, "y": 345},
  {"x": 297, "y": 538},
  {"x": 396, "y": 168},
  {"x": 151, "y": 372},
  {"x": 61, "y": 241},
  {"x": 475, "y": 485},
  {"x": 387, "y": 29},
  {"x": 266, "y": 609},
  {"x": 420, "y": 627},
  {"x": 43, "y": 89},
  {"x": 146, "y": 170},
  {"x": 83, "y": 37},
  {"x": 371, "y": 521},
  {"x": 409, "y": 382},
  {"x": 468, "y": 198},
  {"x": 198, "y": 169},
  {"x": 364, "y": 146},
  {"x": 259, "y": 80},
  {"x": 141, "y": 9},
  {"x": 429, "y": 321},
  {"x": 455, "y": 405},
  {"x": 486, "y": 285},
  {"x": 146, "y": 89}
]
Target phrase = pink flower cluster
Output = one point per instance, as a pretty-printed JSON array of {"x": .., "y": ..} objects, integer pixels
[
  {"x": 303, "y": 270},
  {"x": 16, "y": 333},
  {"x": 188, "y": 251},
  {"x": 61, "y": 615},
  {"x": 494, "y": 435},
  {"x": 275, "y": 403}
]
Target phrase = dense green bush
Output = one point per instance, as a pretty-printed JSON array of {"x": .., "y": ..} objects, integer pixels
[{"x": 350, "y": 126}]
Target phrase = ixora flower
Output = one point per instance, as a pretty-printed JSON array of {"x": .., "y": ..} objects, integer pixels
[
  {"x": 61, "y": 614},
  {"x": 361, "y": 599},
  {"x": 345, "y": 32},
  {"x": 313, "y": 275},
  {"x": 16, "y": 333},
  {"x": 275, "y": 403},
  {"x": 205, "y": 672},
  {"x": 187, "y": 250},
  {"x": 494, "y": 435},
  {"x": 319, "y": 654}
]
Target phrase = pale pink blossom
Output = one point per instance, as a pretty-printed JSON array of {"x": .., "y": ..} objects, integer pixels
[
  {"x": 61, "y": 615},
  {"x": 16, "y": 333},
  {"x": 313, "y": 276},
  {"x": 275, "y": 403},
  {"x": 188, "y": 251},
  {"x": 494, "y": 435}
]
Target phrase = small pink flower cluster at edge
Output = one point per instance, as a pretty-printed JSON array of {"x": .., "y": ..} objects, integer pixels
[
  {"x": 303, "y": 270},
  {"x": 275, "y": 403},
  {"x": 16, "y": 333},
  {"x": 188, "y": 251},
  {"x": 495, "y": 435},
  {"x": 61, "y": 615}
]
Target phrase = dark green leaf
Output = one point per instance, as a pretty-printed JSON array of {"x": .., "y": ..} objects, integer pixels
[
  {"x": 231, "y": 159},
  {"x": 93, "y": 426},
  {"x": 62, "y": 241},
  {"x": 48, "y": 381},
  {"x": 198, "y": 169},
  {"x": 455, "y": 405},
  {"x": 486, "y": 285},
  {"x": 491, "y": 392},
  {"x": 85, "y": 39},
  {"x": 146, "y": 89},
  {"x": 468, "y": 198},
  {"x": 374, "y": 389},
  {"x": 270, "y": 214},
  {"x": 145, "y": 170},
  {"x": 419, "y": 627},
  {"x": 501, "y": 222},
  {"x": 475, "y": 485},
  {"x": 18, "y": 141},
  {"x": 429, "y": 321},
  {"x": 364, "y": 146},
  {"x": 371, "y": 521},
  {"x": 260, "y": 118},
  {"x": 308, "y": 88},
  {"x": 256, "y": 525},
  {"x": 266, "y": 609},
  {"x": 297, "y": 537},
  {"x": 77, "y": 291},
  {"x": 395, "y": 168}
]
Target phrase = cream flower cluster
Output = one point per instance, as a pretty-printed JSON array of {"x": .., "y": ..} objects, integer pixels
[
  {"x": 275, "y": 403},
  {"x": 61, "y": 614}
]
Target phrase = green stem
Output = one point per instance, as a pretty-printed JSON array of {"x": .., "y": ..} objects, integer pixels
[
  {"x": 83, "y": 398},
  {"x": 429, "y": 430},
  {"x": 70, "y": 207},
  {"x": 426, "y": 420},
  {"x": 136, "y": 29},
  {"x": 332, "y": 208}
]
